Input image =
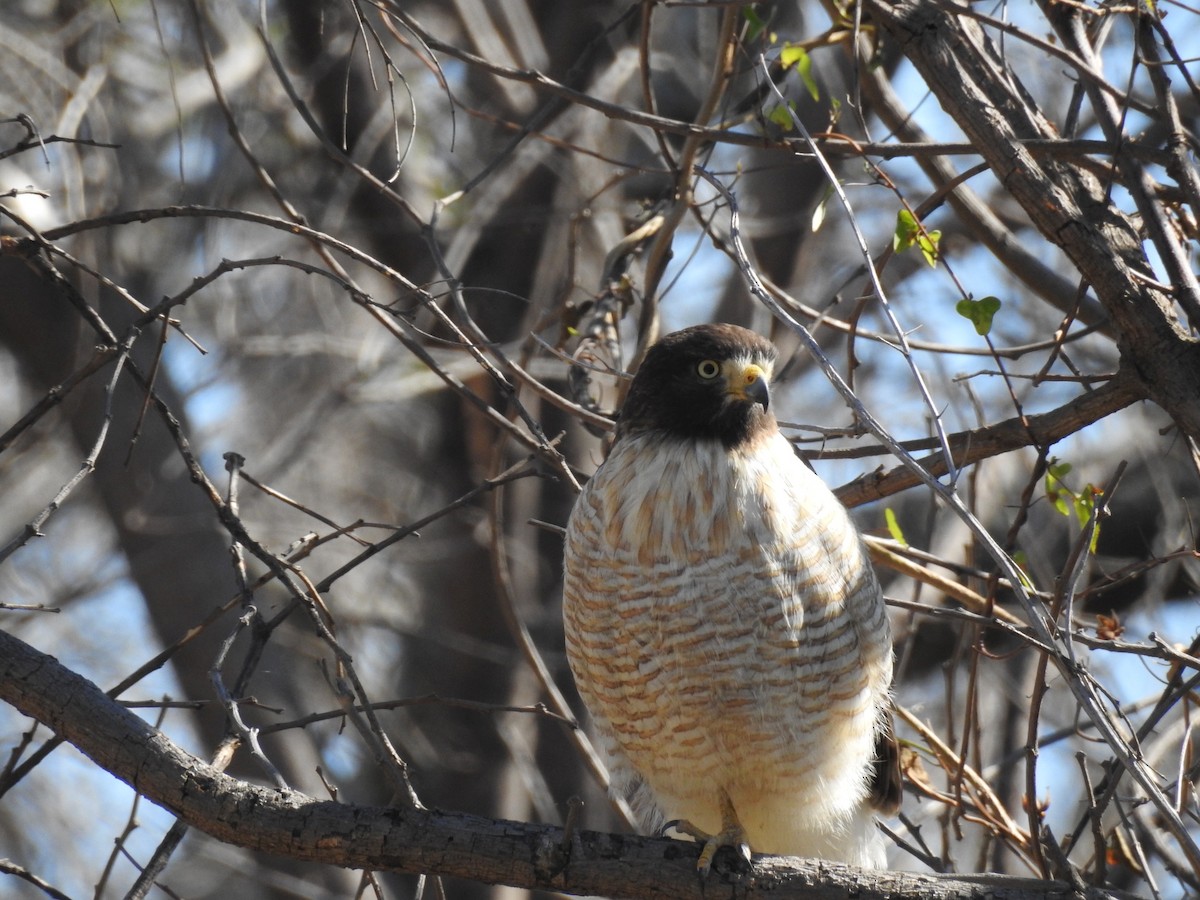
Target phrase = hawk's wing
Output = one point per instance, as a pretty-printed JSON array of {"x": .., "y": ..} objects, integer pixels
[{"x": 886, "y": 786}]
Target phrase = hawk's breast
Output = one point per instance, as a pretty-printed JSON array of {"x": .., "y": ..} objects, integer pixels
[{"x": 723, "y": 623}]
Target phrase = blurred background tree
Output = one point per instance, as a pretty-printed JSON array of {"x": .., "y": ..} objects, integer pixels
[{"x": 381, "y": 267}]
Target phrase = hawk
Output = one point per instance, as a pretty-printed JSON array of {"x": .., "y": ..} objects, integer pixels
[{"x": 724, "y": 626}]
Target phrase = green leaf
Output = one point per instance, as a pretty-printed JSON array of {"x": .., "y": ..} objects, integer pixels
[
  {"x": 781, "y": 115},
  {"x": 795, "y": 56},
  {"x": 1085, "y": 508},
  {"x": 1082, "y": 512},
  {"x": 1060, "y": 503},
  {"x": 928, "y": 242},
  {"x": 1058, "y": 469},
  {"x": 1057, "y": 492},
  {"x": 757, "y": 23},
  {"x": 893, "y": 527},
  {"x": 907, "y": 229},
  {"x": 909, "y": 233},
  {"x": 979, "y": 312},
  {"x": 805, "y": 70},
  {"x": 792, "y": 54}
]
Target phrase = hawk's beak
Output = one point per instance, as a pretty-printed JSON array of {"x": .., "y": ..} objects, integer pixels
[{"x": 749, "y": 382}]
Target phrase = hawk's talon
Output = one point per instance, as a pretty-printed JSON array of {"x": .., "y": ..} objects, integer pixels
[
  {"x": 730, "y": 835},
  {"x": 743, "y": 850},
  {"x": 734, "y": 838},
  {"x": 680, "y": 825},
  {"x": 683, "y": 826}
]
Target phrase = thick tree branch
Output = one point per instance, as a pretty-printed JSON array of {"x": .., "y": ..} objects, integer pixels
[
  {"x": 296, "y": 826},
  {"x": 972, "y": 446}
]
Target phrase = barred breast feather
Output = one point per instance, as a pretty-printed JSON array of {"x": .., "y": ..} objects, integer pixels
[{"x": 727, "y": 633}]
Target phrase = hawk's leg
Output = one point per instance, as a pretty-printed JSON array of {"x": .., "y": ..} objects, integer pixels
[{"x": 731, "y": 834}]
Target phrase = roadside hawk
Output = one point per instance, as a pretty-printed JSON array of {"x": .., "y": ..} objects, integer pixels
[{"x": 724, "y": 625}]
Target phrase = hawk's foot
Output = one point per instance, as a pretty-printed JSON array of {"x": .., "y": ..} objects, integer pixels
[{"x": 731, "y": 835}]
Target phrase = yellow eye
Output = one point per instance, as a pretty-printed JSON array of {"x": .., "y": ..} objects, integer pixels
[{"x": 709, "y": 369}]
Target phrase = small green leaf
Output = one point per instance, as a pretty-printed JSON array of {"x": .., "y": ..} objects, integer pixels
[
  {"x": 907, "y": 229},
  {"x": 794, "y": 56},
  {"x": 781, "y": 115},
  {"x": 909, "y": 233},
  {"x": 1060, "y": 503},
  {"x": 893, "y": 527},
  {"x": 757, "y": 23},
  {"x": 805, "y": 70},
  {"x": 1058, "y": 469},
  {"x": 1056, "y": 491},
  {"x": 928, "y": 242},
  {"x": 1083, "y": 510},
  {"x": 1082, "y": 505},
  {"x": 979, "y": 312}
]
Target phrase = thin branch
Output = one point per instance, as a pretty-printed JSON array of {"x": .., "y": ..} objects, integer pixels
[
  {"x": 901, "y": 336},
  {"x": 833, "y": 145}
]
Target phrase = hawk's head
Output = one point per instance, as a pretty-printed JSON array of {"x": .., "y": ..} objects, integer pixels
[{"x": 708, "y": 381}]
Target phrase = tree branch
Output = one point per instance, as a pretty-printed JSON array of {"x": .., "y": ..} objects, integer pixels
[
  {"x": 291, "y": 824},
  {"x": 970, "y": 447}
]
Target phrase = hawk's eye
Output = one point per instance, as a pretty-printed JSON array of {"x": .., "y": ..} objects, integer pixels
[{"x": 708, "y": 369}]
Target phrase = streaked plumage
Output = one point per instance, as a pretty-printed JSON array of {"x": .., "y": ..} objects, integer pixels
[{"x": 724, "y": 625}]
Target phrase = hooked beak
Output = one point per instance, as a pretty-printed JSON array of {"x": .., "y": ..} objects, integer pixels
[{"x": 748, "y": 383}]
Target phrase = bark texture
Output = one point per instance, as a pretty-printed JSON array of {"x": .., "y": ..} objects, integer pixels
[{"x": 293, "y": 825}]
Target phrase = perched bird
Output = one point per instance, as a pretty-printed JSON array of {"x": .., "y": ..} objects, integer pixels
[{"x": 724, "y": 625}]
